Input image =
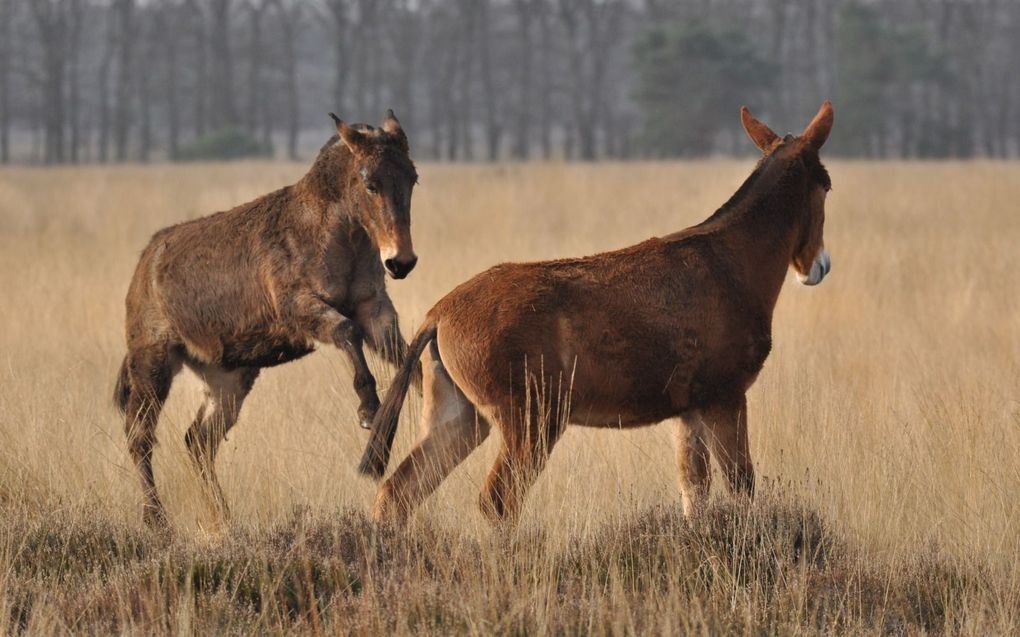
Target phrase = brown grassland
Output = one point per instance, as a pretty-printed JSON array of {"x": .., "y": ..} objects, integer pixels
[{"x": 885, "y": 429}]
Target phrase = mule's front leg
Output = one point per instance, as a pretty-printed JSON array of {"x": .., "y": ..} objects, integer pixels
[
  {"x": 378, "y": 320},
  {"x": 692, "y": 463},
  {"x": 351, "y": 341},
  {"x": 727, "y": 428},
  {"x": 327, "y": 325}
]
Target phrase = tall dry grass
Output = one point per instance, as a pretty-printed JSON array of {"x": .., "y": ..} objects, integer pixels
[{"x": 885, "y": 428}]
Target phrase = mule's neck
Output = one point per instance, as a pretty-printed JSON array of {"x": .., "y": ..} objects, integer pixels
[
  {"x": 762, "y": 230},
  {"x": 323, "y": 207},
  {"x": 328, "y": 188}
]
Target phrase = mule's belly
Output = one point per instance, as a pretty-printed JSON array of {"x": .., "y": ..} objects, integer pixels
[
  {"x": 251, "y": 347},
  {"x": 602, "y": 418},
  {"x": 625, "y": 406},
  {"x": 262, "y": 351}
]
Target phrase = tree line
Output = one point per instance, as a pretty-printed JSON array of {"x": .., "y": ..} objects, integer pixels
[{"x": 143, "y": 80}]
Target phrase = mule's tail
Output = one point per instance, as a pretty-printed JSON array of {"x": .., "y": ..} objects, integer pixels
[
  {"x": 384, "y": 426},
  {"x": 122, "y": 390}
]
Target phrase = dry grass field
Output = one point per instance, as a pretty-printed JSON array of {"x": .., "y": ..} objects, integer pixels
[{"x": 885, "y": 428}]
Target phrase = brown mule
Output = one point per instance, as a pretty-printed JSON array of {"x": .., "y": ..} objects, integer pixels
[
  {"x": 259, "y": 285},
  {"x": 674, "y": 326}
]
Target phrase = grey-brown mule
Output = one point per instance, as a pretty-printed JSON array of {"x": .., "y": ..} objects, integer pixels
[{"x": 261, "y": 284}]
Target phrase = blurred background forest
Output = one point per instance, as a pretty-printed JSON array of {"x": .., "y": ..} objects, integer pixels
[{"x": 477, "y": 80}]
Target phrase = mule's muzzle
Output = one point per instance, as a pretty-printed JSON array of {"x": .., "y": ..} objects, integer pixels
[
  {"x": 819, "y": 268},
  {"x": 400, "y": 269}
]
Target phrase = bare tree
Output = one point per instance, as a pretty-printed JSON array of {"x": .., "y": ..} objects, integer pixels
[
  {"x": 340, "y": 22},
  {"x": 222, "y": 107},
  {"x": 200, "y": 51},
  {"x": 167, "y": 33},
  {"x": 150, "y": 51},
  {"x": 591, "y": 28},
  {"x": 255, "y": 109},
  {"x": 103, "y": 85},
  {"x": 52, "y": 18},
  {"x": 438, "y": 87},
  {"x": 405, "y": 42},
  {"x": 526, "y": 11},
  {"x": 1011, "y": 108},
  {"x": 545, "y": 62},
  {"x": 448, "y": 110},
  {"x": 125, "y": 12},
  {"x": 493, "y": 128},
  {"x": 992, "y": 85},
  {"x": 288, "y": 13},
  {"x": 74, "y": 112},
  {"x": 6, "y": 53},
  {"x": 363, "y": 51},
  {"x": 373, "y": 46},
  {"x": 466, "y": 62}
]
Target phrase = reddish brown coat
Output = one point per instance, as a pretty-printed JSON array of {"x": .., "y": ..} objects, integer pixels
[{"x": 674, "y": 326}]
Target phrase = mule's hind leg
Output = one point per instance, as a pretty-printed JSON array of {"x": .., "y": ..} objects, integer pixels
[
  {"x": 451, "y": 429},
  {"x": 225, "y": 393},
  {"x": 727, "y": 429},
  {"x": 692, "y": 462},
  {"x": 525, "y": 450},
  {"x": 150, "y": 372}
]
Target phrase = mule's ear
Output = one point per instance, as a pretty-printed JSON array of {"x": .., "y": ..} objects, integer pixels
[
  {"x": 760, "y": 134},
  {"x": 392, "y": 126},
  {"x": 818, "y": 130},
  {"x": 351, "y": 138},
  {"x": 390, "y": 122}
]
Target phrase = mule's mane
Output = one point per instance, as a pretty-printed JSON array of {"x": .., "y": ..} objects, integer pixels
[
  {"x": 778, "y": 167},
  {"x": 378, "y": 135},
  {"x": 329, "y": 144},
  {"x": 368, "y": 129},
  {"x": 745, "y": 192}
]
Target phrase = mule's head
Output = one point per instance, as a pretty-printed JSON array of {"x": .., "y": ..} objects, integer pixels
[
  {"x": 810, "y": 259},
  {"x": 380, "y": 182}
]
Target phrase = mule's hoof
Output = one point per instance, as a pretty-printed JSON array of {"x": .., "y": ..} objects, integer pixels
[
  {"x": 366, "y": 414},
  {"x": 155, "y": 518}
]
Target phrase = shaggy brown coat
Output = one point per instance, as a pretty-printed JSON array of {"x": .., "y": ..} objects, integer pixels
[
  {"x": 674, "y": 326},
  {"x": 261, "y": 284}
]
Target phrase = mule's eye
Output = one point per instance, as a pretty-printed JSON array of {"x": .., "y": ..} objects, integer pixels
[{"x": 372, "y": 189}]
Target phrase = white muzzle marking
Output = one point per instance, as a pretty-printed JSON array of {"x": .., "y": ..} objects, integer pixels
[
  {"x": 387, "y": 252},
  {"x": 819, "y": 268}
]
